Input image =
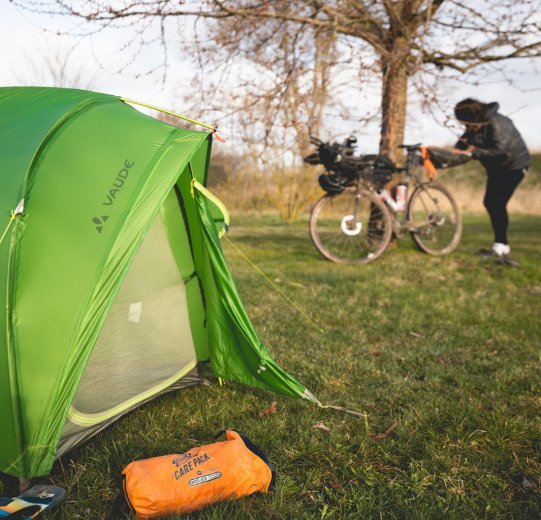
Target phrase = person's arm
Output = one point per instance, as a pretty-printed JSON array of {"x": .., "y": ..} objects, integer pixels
[
  {"x": 462, "y": 144},
  {"x": 497, "y": 142}
]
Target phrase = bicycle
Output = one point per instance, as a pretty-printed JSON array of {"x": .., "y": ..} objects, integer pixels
[{"x": 354, "y": 222}]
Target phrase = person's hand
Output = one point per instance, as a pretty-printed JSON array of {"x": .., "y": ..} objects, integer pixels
[{"x": 467, "y": 152}]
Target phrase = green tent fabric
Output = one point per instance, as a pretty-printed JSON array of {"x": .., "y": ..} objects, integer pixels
[{"x": 114, "y": 281}]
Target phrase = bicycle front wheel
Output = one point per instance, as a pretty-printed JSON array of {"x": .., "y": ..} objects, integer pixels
[
  {"x": 348, "y": 229},
  {"x": 434, "y": 220}
]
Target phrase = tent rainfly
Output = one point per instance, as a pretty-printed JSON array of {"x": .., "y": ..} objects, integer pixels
[{"x": 113, "y": 281}]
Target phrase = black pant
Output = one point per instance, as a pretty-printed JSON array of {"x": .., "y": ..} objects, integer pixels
[{"x": 500, "y": 186}]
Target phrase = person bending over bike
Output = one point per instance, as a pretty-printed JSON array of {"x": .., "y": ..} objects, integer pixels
[{"x": 493, "y": 139}]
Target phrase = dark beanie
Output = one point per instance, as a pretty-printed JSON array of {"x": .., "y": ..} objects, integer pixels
[
  {"x": 470, "y": 110},
  {"x": 473, "y": 111}
]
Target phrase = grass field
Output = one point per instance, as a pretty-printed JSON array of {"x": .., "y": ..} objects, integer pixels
[{"x": 447, "y": 348}]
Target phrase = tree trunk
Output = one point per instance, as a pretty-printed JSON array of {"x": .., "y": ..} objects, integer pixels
[{"x": 394, "y": 98}]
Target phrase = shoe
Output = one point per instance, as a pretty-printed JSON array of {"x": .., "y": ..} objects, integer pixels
[
  {"x": 505, "y": 260},
  {"x": 502, "y": 258},
  {"x": 500, "y": 249}
]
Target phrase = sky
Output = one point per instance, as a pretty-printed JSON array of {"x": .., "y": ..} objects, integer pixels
[{"x": 24, "y": 45}]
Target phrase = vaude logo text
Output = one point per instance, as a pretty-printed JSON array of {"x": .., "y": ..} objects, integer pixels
[
  {"x": 205, "y": 478},
  {"x": 113, "y": 192},
  {"x": 120, "y": 179}
]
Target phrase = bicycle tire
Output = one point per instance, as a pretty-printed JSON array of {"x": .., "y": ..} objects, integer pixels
[
  {"x": 432, "y": 206},
  {"x": 329, "y": 221}
]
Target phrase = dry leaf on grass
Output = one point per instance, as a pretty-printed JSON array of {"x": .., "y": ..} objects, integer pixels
[
  {"x": 321, "y": 426},
  {"x": 268, "y": 411},
  {"x": 334, "y": 484},
  {"x": 382, "y": 436}
]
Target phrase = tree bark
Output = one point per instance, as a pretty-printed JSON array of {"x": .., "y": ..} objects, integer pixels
[{"x": 395, "y": 71}]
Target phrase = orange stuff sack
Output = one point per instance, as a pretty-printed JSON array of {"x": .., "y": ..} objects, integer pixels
[{"x": 175, "y": 484}]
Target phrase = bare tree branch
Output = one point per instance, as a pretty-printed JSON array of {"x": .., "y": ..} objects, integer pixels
[{"x": 400, "y": 41}]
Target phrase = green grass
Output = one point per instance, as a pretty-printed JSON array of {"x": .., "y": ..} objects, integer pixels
[{"x": 449, "y": 348}]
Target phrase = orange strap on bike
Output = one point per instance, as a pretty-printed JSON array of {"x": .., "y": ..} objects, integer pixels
[
  {"x": 177, "y": 484},
  {"x": 428, "y": 164}
]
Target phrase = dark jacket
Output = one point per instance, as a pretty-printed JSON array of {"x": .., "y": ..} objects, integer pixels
[{"x": 499, "y": 146}]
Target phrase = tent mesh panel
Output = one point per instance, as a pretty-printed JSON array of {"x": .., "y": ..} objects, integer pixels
[{"x": 146, "y": 338}]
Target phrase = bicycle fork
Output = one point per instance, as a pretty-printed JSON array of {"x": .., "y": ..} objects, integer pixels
[{"x": 350, "y": 224}]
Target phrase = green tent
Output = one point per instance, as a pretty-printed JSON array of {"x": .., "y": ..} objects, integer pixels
[{"x": 113, "y": 281}]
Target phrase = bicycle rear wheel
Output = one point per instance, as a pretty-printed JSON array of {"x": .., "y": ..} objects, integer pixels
[
  {"x": 434, "y": 219},
  {"x": 342, "y": 234}
]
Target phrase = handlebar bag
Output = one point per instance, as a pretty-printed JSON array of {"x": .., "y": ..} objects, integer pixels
[
  {"x": 442, "y": 158},
  {"x": 182, "y": 483}
]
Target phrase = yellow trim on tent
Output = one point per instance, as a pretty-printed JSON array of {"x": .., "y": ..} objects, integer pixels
[
  {"x": 169, "y": 112},
  {"x": 90, "y": 419},
  {"x": 217, "y": 202}
]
